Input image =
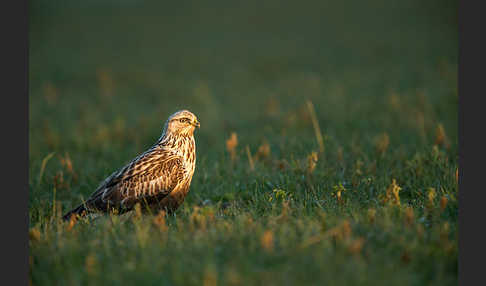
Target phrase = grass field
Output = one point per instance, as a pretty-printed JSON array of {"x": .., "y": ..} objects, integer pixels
[{"x": 374, "y": 203}]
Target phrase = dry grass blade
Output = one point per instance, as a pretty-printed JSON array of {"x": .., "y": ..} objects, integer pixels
[
  {"x": 441, "y": 137},
  {"x": 250, "y": 159},
  {"x": 43, "y": 166},
  {"x": 315, "y": 123},
  {"x": 311, "y": 162}
]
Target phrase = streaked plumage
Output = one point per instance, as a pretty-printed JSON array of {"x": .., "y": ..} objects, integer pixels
[{"x": 159, "y": 178}]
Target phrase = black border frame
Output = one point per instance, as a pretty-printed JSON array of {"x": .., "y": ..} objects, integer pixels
[
  {"x": 471, "y": 194},
  {"x": 15, "y": 118}
]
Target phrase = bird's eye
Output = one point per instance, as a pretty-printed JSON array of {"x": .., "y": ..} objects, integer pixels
[{"x": 182, "y": 120}]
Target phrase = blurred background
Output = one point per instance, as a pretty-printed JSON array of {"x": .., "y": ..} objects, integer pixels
[{"x": 105, "y": 75}]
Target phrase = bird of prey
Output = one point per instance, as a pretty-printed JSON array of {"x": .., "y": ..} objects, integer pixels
[{"x": 158, "y": 179}]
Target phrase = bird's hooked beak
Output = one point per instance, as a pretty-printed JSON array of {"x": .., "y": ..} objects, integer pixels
[{"x": 196, "y": 123}]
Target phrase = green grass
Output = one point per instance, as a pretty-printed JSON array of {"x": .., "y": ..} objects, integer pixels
[{"x": 103, "y": 78}]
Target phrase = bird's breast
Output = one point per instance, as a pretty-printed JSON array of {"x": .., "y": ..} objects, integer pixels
[{"x": 188, "y": 153}]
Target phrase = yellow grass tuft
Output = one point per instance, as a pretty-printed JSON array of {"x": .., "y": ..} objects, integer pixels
[
  {"x": 339, "y": 190},
  {"x": 159, "y": 221},
  {"x": 267, "y": 241},
  {"x": 409, "y": 216},
  {"x": 198, "y": 220},
  {"x": 34, "y": 234},
  {"x": 138, "y": 211},
  {"x": 210, "y": 276},
  {"x": 381, "y": 143},
  {"x": 323, "y": 221},
  {"x": 431, "y": 194},
  {"x": 444, "y": 231},
  {"x": 66, "y": 163},
  {"x": 249, "y": 222},
  {"x": 285, "y": 211},
  {"x": 263, "y": 151},
  {"x": 358, "y": 170},
  {"x": 371, "y": 215},
  {"x": 441, "y": 137},
  {"x": 346, "y": 229},
  {"x": 341, "y": 232},
  {"x": 340, "y": 154},
  {"x": 457, "y": 175},
  {"x": 443, "y": 203},
  {"x": 231, "y": 144},
  {"x": 356, "y": 246},
  {"x": 72, "y": 222},
  {"x": 392, "y": 193},
  {"x": 311, "y": 162},
  {"x": 280, "y": 195},
  {"x": 58, "y": 180},
  {"x": 90, "y": 263}
]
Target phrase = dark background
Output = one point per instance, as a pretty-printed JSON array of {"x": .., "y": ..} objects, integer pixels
[{"x": 226, "y": 61}]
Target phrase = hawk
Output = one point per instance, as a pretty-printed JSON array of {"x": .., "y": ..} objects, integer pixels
[{"x": 159, "y": 178}]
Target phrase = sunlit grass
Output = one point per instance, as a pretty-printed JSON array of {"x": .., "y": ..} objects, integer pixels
[{"x": 327, "y": 160}]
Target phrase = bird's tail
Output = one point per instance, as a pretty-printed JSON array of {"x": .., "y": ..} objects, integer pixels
[{"x": 80, "y": 210}]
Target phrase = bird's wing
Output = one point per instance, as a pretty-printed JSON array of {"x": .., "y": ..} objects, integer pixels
[{"x": 155, "y": 173}]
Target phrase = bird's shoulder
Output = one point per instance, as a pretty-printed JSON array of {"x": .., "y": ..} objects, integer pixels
[
  {"x": 157, "y": 165},
  {"x": 153, "y": 161}
]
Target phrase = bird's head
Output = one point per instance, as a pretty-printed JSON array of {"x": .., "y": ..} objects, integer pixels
[{"x": 182, "y": 123}]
